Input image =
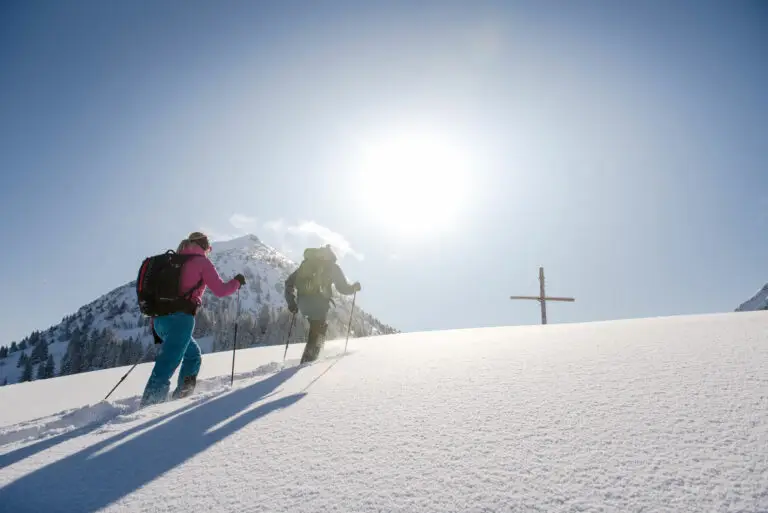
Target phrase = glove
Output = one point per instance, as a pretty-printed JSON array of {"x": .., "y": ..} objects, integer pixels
[
  {"x": 356, "y": 286},
  {"x": 292, "y": 307},
  {"x": 241, "y": 279}
]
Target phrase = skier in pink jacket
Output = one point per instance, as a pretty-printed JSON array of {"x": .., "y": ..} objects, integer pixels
[{"x": 174, "y": 331}]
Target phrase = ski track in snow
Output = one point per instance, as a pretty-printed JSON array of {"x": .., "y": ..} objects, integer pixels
[
  {"x": 105, "y": 411},
  {"x": 662, "y": 415}
]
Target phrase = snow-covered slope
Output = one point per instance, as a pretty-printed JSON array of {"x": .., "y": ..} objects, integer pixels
[
  {"x": 662, "y": 415},
  {"x": 110, "y": 331},
  {"x": 758, "y": 302}
]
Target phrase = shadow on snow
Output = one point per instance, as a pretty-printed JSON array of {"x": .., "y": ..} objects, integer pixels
[{"x": 90, "y": 479}]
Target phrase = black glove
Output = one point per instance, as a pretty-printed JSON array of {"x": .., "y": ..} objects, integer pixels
[
  {"x": 241, "y": 279},
  {"x": 292, "y": 307}
]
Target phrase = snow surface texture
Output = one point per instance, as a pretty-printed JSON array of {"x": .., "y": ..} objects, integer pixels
[
  {"x": 758, "y": 302},
  {"x": 661, "y": 415},
  {"x": 265, "y": 270}
]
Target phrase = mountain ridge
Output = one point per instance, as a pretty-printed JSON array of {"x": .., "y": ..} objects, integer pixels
[{"x": 757, "y": 302}]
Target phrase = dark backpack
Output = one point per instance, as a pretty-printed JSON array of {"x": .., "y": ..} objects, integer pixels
[
  {"x": 158, "y": 285},
  {"x": 314, "y": 274}
]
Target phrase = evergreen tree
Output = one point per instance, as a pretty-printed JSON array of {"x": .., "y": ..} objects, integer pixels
[
  {"x": 87, "y": 343},
  {"x": 203, "y": 324},
  {"x": 66, "y": 365},
  {"x": 109, "y": 351},
  {"x": 23, "y": 358},
  {"x": 150, "y": 354},
  {"x": 124, "y": 357},
  {"x": 264, "y": 319},
  {"x": 5, "y": 382},
  {"x": 14, "y": 347},
  {"x": 73, "y": 360},
  {"x": 26, "y": 375},
  {"x": 40, "y": 352},
  {"x": 97, "y": 348},
  {"x": 23, "y": 345},
  {"x": 247, "y": 332},
  {"x": 223, "y": 331},
  {"x": 41, "y": 371},
  {"x": 3, "y": 352},
  {"x": 50, "y": 367},
  {"x": 88, "y": 321}
]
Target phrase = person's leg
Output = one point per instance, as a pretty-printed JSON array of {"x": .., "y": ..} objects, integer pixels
[
  {"x": 310, "y": 353},
  {"x": 190, "y": 367},
  {"x": 176, "y": 331},
  {"x": 316, "y": 310},
  {"x": 317, "y": 330}
]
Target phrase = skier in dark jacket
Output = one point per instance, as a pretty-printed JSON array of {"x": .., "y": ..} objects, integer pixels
[{"x": 313, "y": 280}]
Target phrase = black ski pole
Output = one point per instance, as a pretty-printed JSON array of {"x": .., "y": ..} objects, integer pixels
[
  {"x": 288, "y": 338},
  {"x": 234, "y": 342},
  {"x": 349, "y": 326},
  {"x": 121, "y": 380}
]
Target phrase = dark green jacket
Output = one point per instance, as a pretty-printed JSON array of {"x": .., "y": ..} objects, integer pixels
[{"x": 333, "y": 275}]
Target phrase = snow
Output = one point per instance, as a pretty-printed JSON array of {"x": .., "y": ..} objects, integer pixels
[
  {"x": 662, "y": 415},
  {"x": 8, "y": 368},
  {"x": 758, "y": 302}
]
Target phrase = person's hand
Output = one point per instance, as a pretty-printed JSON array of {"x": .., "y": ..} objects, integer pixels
[
  {"x": 356, "y": 286},
  {"x": 241, "y": 279},
  {"x": 293, "y": 308}
]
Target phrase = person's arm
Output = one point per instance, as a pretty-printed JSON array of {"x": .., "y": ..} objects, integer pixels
[
  {"x": 290, "y": 293},
  {"x": 214, "y": 282},
  {"x": 341, "y": 282}
]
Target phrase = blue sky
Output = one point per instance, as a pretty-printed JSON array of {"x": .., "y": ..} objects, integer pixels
[{"x": 619, "y": 146}]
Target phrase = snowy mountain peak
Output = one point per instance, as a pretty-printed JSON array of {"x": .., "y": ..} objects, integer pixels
[
  {"x": 758, "y": 302},
  {"x": 245, "y": 242}
]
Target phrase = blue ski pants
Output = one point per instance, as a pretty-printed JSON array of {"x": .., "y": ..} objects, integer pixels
[{"x": 178, "y": 347}]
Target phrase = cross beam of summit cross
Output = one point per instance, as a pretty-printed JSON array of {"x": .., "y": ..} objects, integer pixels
[{"x": 542, "y": 297}]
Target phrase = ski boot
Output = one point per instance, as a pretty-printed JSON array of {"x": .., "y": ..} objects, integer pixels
[
  {"x": 186, "y": 388},
  {"x": 315, "y": 341}
]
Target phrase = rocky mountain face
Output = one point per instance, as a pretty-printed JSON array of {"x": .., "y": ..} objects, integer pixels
[{"x": 111, "y": 331}]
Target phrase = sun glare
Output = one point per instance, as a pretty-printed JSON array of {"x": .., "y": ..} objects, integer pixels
[{"x": 413, "y": 182}]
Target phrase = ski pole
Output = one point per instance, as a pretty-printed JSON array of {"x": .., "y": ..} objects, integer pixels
[
  {"x": 349, "y": 326},
  {"x": 121, "y": 380},
  {"x": 234, "y": 342},
  {"x": 288, "y": 338}
]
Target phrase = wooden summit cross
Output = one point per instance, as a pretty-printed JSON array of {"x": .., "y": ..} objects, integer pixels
[{"x": 542, "y": 297}]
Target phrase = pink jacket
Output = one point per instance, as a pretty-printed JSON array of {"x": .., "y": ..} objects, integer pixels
[{"x": 197, "y": 268}]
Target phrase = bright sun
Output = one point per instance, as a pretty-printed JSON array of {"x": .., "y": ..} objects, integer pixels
[{"x": 414, "y": 182}]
